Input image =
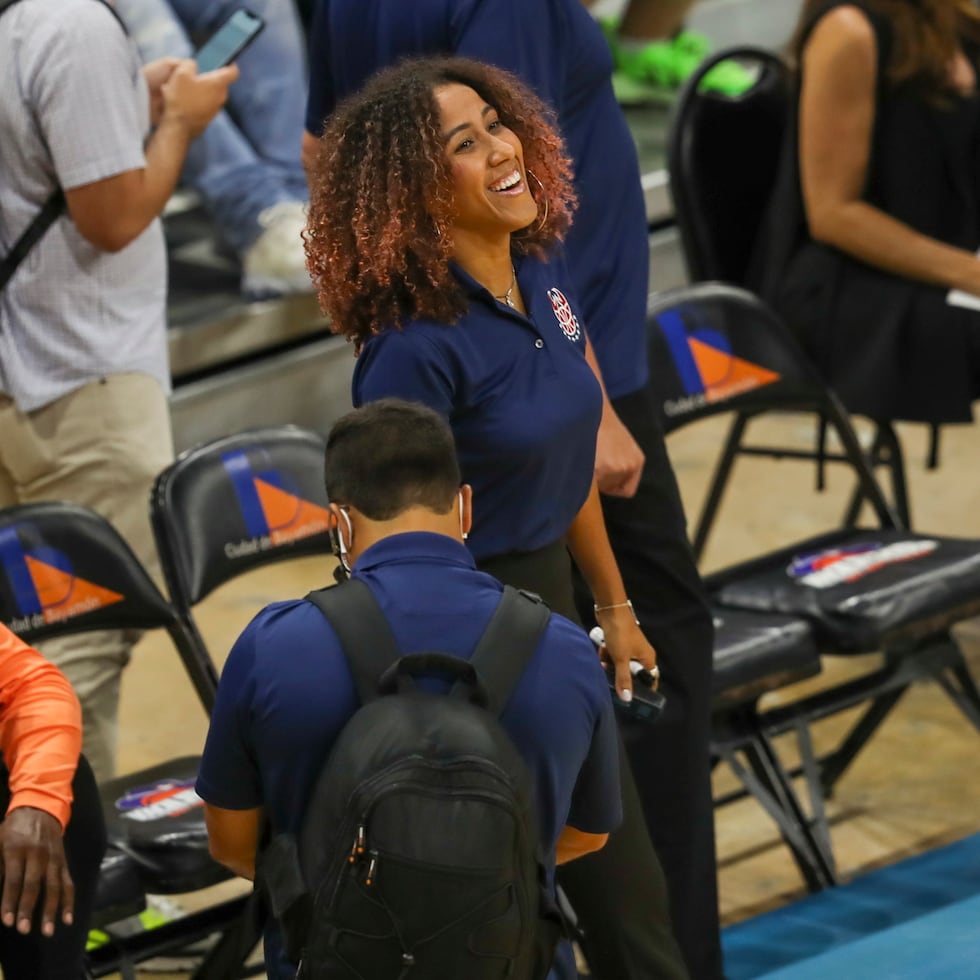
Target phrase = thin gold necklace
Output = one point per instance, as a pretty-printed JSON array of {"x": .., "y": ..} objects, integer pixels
[{"x": 508, "y": 297}]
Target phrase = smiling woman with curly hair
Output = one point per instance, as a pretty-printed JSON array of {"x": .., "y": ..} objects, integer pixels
[
  {"x": 381, "y": 195},
  {"x": 440, "y": 195}
]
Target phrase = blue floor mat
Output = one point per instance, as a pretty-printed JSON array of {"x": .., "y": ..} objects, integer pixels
[
  {"x": 943, "y": 945},
  {"x": 841, "y": 916}
]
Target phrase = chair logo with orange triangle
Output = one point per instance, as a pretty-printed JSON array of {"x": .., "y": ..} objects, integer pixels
[
  {"x": 706, "y": 366},
  {"x": 44, "y": 585},
  {"x": 272, "y": 509}
]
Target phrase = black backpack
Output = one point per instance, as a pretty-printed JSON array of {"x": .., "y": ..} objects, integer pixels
[{"x": 418, "y": 856}]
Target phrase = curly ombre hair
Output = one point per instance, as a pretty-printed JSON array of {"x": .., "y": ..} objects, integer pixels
[{"x": 378, "y": 239}]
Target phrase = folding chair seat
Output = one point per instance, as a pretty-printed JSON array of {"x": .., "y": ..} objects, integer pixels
[
  {"x": 63, "y": 571},
  {"x": 755, "y": 654},
  {"x": 717, "y": 349},
  {"x": 723, "y": 155},
  {"x": 862, "y": 589}
]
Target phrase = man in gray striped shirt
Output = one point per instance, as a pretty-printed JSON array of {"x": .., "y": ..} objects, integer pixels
[{"x": 83, "y": 358}]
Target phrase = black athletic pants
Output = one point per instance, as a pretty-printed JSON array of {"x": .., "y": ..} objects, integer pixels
[
  {"x": 618, "y": 894},
  {"x": 60, "y": 957},
  {"x": 670, "y": 759}
]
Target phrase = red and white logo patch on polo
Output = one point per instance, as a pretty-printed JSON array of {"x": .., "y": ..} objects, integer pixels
[{"x": 567, "y": 320}]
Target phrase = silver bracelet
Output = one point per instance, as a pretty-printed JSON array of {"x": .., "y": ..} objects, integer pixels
[{"x": 617, "y": 605}]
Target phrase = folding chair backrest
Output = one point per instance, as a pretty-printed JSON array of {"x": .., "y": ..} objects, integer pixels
[
  {"x": 723, "y": 154},
  {"x": 239, "y": 503},
  {"x": 65, "y": 570},
  {"x": 716, "y": 349}
]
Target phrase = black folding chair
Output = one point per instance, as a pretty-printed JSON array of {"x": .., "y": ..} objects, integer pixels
[
  {"x": 723, "y": 155},
  {"x": 64, "y": 571},
  {"x": 230, "y": 506},
  {"x": 717, "y": 349}
]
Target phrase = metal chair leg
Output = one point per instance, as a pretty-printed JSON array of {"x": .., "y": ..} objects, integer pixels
[
  {"x": 837, "y": 762},
  {"x": 225, "y": 960},
  {"x": 886, "y": 450},
  {"x": 719, "y": 482},
  {"x": 773, "y": 792},
  {"x": 896, "y": 466},
  {"x": 811, "y": 771}
]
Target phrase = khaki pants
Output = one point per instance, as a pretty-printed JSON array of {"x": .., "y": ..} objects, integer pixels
[{"x": 100, "y": 446}]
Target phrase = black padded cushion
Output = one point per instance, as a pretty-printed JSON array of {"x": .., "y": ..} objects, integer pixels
[
  {"x": 713, "y": 348},
  {"x": 236, "y": 504},
  {"x": 861, "y": 590},
  {"x": 64, "y": 570},
  {"x": 156, "y": 817},
  {"x": 755, "y": 653},
  {"x": 118, "y": 892},
  {"x": 723, "y": 156}
]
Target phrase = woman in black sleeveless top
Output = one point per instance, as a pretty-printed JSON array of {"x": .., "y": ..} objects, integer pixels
[{"x": 876, "y": 214}]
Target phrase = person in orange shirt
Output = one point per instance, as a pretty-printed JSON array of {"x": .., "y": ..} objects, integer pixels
[{"x": 52, "y": 836}]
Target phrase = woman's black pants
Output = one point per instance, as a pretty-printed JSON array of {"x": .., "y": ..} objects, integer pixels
[{"x": 619, "y": 893}]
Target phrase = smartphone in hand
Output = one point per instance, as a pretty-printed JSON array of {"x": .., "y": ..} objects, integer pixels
[
  {"x": 229, "y": 40},
  {"x": 648, "y": 702}
]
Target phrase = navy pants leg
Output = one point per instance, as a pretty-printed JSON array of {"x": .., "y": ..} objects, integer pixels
[
  {"x": 60, "y": 957},
  {"x": 670, "y": 759}
]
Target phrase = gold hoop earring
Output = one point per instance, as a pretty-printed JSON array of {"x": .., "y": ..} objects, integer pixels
[{"x": 544, "y": 217}]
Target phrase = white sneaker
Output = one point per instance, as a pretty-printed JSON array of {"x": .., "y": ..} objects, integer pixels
[{"x": 276, "y": 263}]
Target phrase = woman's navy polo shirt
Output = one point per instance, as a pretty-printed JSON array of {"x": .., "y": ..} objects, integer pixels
[
  {"x": 557, "y": 48},
  {"x": 523, "y": 404}
]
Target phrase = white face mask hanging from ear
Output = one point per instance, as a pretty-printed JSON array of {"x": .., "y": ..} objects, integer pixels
[{"x": 342, "y": 545}]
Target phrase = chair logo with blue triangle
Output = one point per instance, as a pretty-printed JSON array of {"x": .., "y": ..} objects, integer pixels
[
  {"x": 44, "y": 585},
  {"x": 708, "y": 370},
  {"x": 273, "y": 512}
]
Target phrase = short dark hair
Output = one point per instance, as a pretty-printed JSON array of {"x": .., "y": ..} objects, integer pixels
[{"x": 390, "y": 455}]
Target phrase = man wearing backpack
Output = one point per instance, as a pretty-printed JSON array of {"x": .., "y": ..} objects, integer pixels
[{"x": 288, "y": 693}]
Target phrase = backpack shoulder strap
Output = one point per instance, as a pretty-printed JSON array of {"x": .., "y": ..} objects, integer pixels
[
  {"x": 364, "y": 633},
  {"x": 508, "y": 644}
]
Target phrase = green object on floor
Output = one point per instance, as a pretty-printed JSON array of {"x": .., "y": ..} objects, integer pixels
[
  {"x": 664, "y": 66},
  {"x": 156, "y": 914}
]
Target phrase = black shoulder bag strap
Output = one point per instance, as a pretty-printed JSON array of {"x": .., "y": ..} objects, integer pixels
[
  {"x": 51, "y": 210},
  {"x": 363, "y": 631},
  {"x": 508, "y": 644}
]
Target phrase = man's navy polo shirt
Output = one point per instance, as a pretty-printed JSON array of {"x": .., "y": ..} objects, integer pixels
[
  {"x": 523, "y": 404},
  {"x": 286, "y": 692},
  {"x": 556, "y": 47}
]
